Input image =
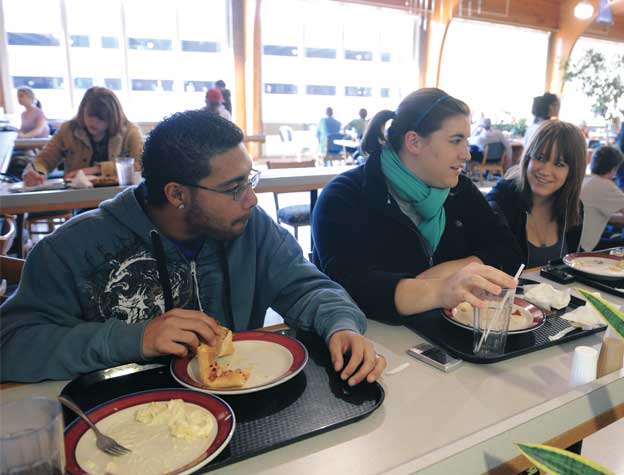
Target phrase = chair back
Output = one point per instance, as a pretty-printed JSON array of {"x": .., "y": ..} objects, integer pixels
[
  {"x": 273, "y": 164},
  {"x": 286, "y": 133},
  {"x": 493, "y": 152},
  {"x": 11, "y": 269},
  {"x": 332, "y": 148},
  {"x": 7, "y": 140},
  {"x": 7, "y": 233}
]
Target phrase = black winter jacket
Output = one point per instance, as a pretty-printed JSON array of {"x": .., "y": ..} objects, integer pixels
[
  {"x": 363, "y": 241},
  {"x": 507, "y": 201}
]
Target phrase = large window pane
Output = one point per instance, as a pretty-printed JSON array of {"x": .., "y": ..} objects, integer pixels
[
  {"x": 37, "y": 53},
  {"x": 575, "y": 105},
  {"x": 480, "y": 68},
  {"x": 328, "y": 53}
]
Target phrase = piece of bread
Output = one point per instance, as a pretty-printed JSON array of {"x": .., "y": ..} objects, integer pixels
[{"x": 211, "y": 374}]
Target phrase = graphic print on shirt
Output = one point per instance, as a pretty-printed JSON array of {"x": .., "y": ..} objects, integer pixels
[{"x": 126, "y": 286}]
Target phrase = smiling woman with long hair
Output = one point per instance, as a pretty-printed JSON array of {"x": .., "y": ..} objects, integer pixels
[
  {"x": 407, "y": 232},
  {"x": 540, "y": 200}
]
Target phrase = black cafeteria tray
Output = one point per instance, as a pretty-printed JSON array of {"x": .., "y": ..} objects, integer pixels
[
  {"x": 608, "y": 286},
  {"x": 458, "y": 341},
  {"x": 314, "y": 401}
]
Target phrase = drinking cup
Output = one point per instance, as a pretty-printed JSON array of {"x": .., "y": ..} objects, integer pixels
[
  {"x": 31, "y": 437},
  {"x": 491, "y": 324},
  {"x": 125, "y": 170}
]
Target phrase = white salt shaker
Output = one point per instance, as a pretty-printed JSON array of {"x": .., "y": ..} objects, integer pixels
[{"x": 584, "y": 364}]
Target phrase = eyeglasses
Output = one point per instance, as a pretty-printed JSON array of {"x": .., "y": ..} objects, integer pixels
[{"x": 237, "y": 193}]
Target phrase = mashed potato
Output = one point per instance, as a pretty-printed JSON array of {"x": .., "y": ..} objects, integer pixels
[{"x": 183, "y": 420}]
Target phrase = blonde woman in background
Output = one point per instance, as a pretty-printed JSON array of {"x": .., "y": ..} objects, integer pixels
[
  {"x": 34, "y": 122},
  {"x": 99, "y": 133}
]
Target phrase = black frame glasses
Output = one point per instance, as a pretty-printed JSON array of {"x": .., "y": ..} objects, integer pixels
[{"x": 236, "y": 193}]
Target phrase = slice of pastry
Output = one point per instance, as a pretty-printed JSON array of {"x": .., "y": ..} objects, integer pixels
[{"x": 211, "y": 374}]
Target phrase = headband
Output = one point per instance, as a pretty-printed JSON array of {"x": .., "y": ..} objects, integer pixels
[{"x": 439, "y": 100}]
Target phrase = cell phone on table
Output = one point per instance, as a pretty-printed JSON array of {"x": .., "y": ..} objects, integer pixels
[{"x": 434, "y": 356}]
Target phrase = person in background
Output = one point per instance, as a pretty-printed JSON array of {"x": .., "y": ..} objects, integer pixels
[
  {"x": 34, "y": 122},
  {"x": 359, "y": 124},
  {"x": 227, "y": 95},
  {"x": 327, "y": 125},
  {"x": 601, "y": 199},
  {"x": 407, "y": 232},
  {"x": 99, "y": 133},
  {"x": 91, "y": 297},
  {"x": 485, "y": 136},
  {"x": 214, "y": 103},
  {"x": 540, "y": 198},
  {"x": 545, "y": 107}
]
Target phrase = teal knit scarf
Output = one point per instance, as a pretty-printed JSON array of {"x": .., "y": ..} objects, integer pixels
[{"x": 426, "y": 201}]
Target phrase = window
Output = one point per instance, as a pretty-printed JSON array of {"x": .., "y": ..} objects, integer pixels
[
  {"x": 575, "y": 105},
  {"x": 497, "y": 84},
  {"x": 337, "y": 54},
  {"x": 280, "y": 88},
  {"x": 174, "y": 51},
  {"x": 321, "y": 90},
  {"x": 358, "y": 91}
]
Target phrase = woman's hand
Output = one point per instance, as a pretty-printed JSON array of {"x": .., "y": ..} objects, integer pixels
[
  {"x": 465, "y": 284},
  {"x": 32, "y": 177}
]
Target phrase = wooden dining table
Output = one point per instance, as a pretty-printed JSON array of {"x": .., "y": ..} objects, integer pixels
[
  {"x": 278, "y": 180},
  {"x": 435, "y": 423}
]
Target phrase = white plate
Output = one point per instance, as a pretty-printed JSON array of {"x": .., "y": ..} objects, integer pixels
[
  {"x": 154, "y": 450},
  {"x": 271, "y": 358},
  {"x": 603, "y": 266}
]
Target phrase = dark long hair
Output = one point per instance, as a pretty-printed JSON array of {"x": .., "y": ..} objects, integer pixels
[
  {"x": 570, "y": 145},
  {"x": 541, "y": 106},
  {"x": 422, "y": 111}
]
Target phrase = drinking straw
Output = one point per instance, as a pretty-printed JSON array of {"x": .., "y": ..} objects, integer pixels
[
  {"x": 161, "y": 263},
  {"x": 498, "y": 313}
]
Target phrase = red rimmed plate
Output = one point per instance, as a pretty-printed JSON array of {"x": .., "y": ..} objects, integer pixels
[
  {"x": 271, "y": 359},
  {"x": 597, "y": 265},
  {"x": 154, "y": 449},
  {"x": 525, "y": 317}
]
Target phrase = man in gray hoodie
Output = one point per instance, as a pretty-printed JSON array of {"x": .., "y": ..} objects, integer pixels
[{"x": 91, "y": 295}]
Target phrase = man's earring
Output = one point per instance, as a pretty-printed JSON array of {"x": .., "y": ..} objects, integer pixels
[{"x": 181, "y": 206}]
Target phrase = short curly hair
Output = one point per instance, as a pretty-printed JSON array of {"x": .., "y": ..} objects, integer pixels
[{"x": 179, "y": 149}]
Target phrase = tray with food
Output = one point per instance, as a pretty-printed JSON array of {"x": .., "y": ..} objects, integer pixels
[
  {"x": 534, "y": 324},
  {"x": 285, "y": 377}
]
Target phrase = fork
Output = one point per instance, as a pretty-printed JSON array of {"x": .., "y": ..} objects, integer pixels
[{"x": 103, "y": 442}]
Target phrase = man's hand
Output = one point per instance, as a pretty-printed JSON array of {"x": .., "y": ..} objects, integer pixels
[
  {"x": 363, "y": 355},
  {"x": 174, "y": 332}
]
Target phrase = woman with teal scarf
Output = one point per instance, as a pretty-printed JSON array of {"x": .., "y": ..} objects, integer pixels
[{"x": 407, "y": 232}]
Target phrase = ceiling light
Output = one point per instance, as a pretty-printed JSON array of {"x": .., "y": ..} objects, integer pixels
[{"x": 583, "y": 10}]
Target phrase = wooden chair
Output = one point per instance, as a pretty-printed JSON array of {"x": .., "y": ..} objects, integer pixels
[
  {"x": 494, "y": 157},
  {"x": 294, "y": 215},
  {"x": 46, "y": 222}
]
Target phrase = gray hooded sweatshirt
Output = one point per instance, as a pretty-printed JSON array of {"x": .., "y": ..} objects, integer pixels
[{"x": 88, "y": 290}]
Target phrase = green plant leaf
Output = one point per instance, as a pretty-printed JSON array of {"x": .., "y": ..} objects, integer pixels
[
  {"x": 560, "y": 462},
  {"x": 611, "y": 314}
]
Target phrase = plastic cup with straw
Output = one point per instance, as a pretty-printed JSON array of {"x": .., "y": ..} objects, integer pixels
[{"x": 488, "y": 328}]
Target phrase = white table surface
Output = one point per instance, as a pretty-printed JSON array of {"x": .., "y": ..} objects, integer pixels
[
  {"x": 437, "y": 423},
  {"x": 298, "y": 179}
]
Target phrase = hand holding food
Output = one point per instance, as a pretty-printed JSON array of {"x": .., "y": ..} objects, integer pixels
[{"x": 212, "y": 375}]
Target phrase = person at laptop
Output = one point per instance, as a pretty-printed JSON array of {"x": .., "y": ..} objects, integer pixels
[
  {"x": 99, "y": 133},
  {"x": 91, "y": 294}
]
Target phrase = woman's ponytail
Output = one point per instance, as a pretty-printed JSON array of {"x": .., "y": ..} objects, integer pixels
[{"x": 374, "y": 136}]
